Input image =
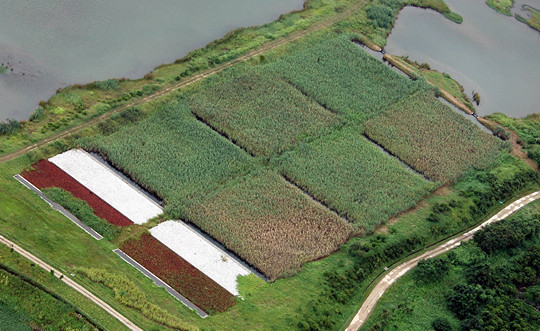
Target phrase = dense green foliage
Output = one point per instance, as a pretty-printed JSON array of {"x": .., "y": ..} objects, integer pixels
[
  {"x": 174, "y": 155},
  {"x": 432, "y": 269},
  {"x": 352, "y": 176},
  {"x": 261, "y": 112},
  {"x": 80, "y": 209},
  {"x": 345, "y": 79},
  {"x": 381, "y": 15},
  {"x": 127, "y": 293},
  {"x": 22, "y": 307},
  {"x": 270, "y": 223},
  {"x": 9, "y": 127},
  {"x": 109, "y": 84},
  {"x": 528, "y": 130},
  {"x": 484, "y": 291},
  {"x": 433, "y": 139}
]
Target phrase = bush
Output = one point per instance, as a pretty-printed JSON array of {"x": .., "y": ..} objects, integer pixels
[
  {"x": 109, "y": 84},
  {"x": 441, "y": 324},
  {"x": 9, "y": 127},
  {"x": 431, "y": 269},
  {"x": 37, "y": 114},
  {"x": 381, "y": 15}
]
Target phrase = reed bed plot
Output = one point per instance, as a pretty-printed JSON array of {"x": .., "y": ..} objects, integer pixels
[
  {"x": 178, "y": 273},
  {"x": 342, "y": 77},
  {"x": 270, "y": 223},
  {"x": 353, "y": 176},
  {"x": 173, "y": 155},
  {"x": 46, "y": 174},
  {"x": 261, "y": 112},
  {"x": 434, "y": 139}
]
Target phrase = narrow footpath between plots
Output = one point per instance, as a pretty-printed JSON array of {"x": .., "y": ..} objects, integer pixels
[{"x": 402, "y": 269}]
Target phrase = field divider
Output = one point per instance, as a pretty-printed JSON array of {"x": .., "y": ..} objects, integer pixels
[
  {"x": 160, "y": 283},
  {"x": 59, "y": 208},
  {"x": 319, "y": 202}
]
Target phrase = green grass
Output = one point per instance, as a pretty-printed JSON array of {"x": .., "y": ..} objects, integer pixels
[
  {"x": 174, "y": 155},
  {"x": 259, "y": 111},
  {"x": 270, "y": 223},
  {"x": 345, "y": 79},
  {"x": 23, "y": 302},
  {"x": 3, "y": 69},
  {"x": 433, "y": 139},
  {"x": 352, "y": 176},
  {"x": 82, "y": 211},
  {"x": 534, "y": 21},
  {"x": 502, "y": 6}
]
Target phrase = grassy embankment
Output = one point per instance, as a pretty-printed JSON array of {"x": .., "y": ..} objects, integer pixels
[
  {"x": 528, "y": 130},
  {"x": 504, "y": 6},
  {"x": 496, "y": 265}
]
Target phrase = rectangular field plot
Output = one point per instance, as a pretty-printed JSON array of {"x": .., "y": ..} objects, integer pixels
[
  {"x": 201, "y": 253},
  {"x": 343, "y": 77},
  {"x": 178, "y": 274},
  {"x": 107, "y": 185},
  {"x": 270, "y": 224},
  {"x": 261, "y": 112},
  {"x": 433, "y": 139},
  {"x": 174, "y": 155},
  {"x": 46, "y": 174},
  {"x": 354, "y": 177}
]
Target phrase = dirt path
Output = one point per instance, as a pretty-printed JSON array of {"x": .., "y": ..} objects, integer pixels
[
  {"x": 263, "y": 49},
  {"x": 130, "y": 325},
  {"x": 397, "y": 272}
]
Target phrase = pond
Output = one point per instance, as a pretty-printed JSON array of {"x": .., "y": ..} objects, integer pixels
[
  {"x": 489, "y": 53},
  {"x": 56, "y": 43}
]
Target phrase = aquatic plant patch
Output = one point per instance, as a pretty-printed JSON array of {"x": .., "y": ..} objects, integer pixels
[
  {"x": 201, "y": 253},
  {"x": 353, "y": 176},
  {"x": 178, "y": 273},
  {"x": 106, "y": 184},
  {"x": 434, "y": 139},
  {"x": 46, "y": 174},
  {"x": 270, "y": 223}
]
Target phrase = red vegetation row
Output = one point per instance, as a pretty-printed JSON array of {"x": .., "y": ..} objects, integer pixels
[
  {"x": 179, "y": 274},
  {"x": 47, "y": 174}
]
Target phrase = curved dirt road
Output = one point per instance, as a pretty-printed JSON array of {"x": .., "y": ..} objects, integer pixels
[
  {"x": 71, "y": 284},
  {"x": 397, "y": 272},
  {"x": 255, "y": 52}
]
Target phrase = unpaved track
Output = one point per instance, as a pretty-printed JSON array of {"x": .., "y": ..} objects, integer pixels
[
  {"x": 397, "y": 272},
  {"x": 263, "y": 49},
  {"x": 71, "y": 284}
]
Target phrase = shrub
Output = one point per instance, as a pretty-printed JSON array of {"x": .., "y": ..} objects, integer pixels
[
  {"x": 382, "y": 16},
  {"x": 9, "y": 127},
  {"x": 109, "y": 84},
  {"x": 37, "y": 114},
  {"x": 431, "y": 269}
]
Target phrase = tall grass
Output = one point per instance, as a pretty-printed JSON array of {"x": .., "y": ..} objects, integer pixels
[
  {"x": 434, "y": 139},
  {"x": 351, "y": 175},
  {"x": 260, "y": 111}
]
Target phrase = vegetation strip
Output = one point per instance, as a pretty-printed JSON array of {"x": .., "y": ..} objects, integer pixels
[
  {"x": 47, "y": 174},
  {"x": 160, "y": 283},
  {"x": 59, "y": 208},
  {"x": 400, "y": 270},
  {"x": 71, "y": 283}
]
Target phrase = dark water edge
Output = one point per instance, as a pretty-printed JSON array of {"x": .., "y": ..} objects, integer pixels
[{"x": 54, "y": 44}]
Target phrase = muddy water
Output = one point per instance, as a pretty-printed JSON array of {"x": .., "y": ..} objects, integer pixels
[
  {"x": 55, "y": 43},
  {"x": 492, "y": 54}
]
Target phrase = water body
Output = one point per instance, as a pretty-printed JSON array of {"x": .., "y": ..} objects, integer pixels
[
  {"x": 492, "y": 54},
  {"x": 56, "y": 43}
]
